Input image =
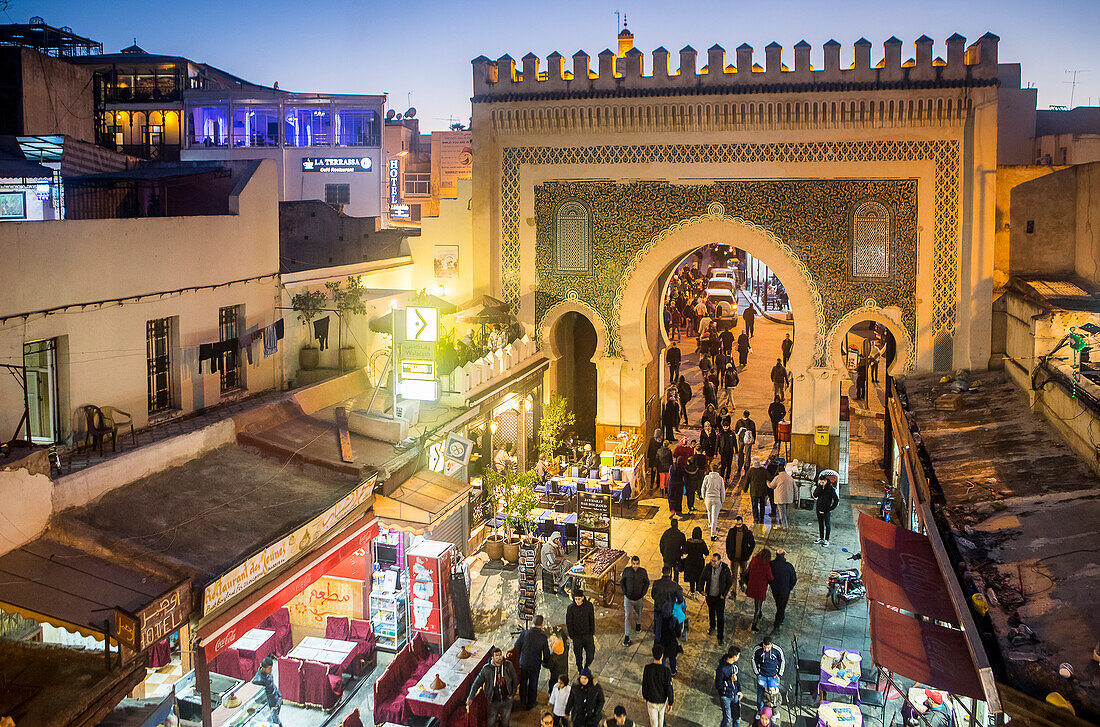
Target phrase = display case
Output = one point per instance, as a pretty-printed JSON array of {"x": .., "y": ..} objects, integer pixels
[
  {"x": 622, "y": 453},
  {"x": 388, "y": 611},
  {"x": 253, "y": 712}
]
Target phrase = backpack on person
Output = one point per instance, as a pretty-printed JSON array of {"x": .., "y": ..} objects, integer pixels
[{"x": 747, "y": 437}]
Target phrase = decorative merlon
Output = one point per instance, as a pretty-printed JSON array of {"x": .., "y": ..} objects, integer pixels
[{"x": 501, "y": 77}]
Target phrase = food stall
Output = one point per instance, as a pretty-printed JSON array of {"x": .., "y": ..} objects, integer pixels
[
  {"x": 598, "y": 572},
  {"x": 622, "y": 460}
]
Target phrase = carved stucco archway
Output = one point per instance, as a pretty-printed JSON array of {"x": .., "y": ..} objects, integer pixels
[
  {"x": 676, "y": 241},
  {"x": 906, "y": 357}
]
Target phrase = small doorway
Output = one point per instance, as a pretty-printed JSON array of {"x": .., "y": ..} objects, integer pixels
[
  {"x": 575, "y": 339},
  {"x": 43, "y": 412}
]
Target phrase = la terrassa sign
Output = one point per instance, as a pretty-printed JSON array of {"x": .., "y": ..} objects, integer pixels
[
  {"x": 281, "y": 552},
  {"x": 336, "y": 164}
]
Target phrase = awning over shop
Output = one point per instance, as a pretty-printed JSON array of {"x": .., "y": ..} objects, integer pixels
[
  {"x": 899, "y": 568},
  {"x": 923, "y": 651},
  {"x": 49, "y": 581},
  {"x": 423, "y": 499}
]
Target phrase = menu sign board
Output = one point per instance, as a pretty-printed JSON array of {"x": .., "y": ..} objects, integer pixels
[
  {"x": 593, "y": 507},
  {"x": 281, "y": 552},
  {"x": 425, "y": 605}
]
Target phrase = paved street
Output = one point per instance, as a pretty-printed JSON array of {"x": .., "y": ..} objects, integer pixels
[{"x": 815, "y": 623}]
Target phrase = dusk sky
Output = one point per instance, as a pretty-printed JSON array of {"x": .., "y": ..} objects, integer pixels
[{"x": 422, "y": 51}]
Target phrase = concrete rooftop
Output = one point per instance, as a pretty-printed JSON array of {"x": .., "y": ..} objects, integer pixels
[{"x": 1024, "y": 512}]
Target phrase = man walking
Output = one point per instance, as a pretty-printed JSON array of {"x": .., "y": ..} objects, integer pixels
[
  {"x": 779, "y": 379},
  {"x": 534, "y": 650},
  {"x": 714, "y": 583},
  {"x": 673, "y": 358},
  {"x": 776, "y": 412},
  {"x": 683, "y": 392},
  {"x": 757, "y": 485},
  {"x": 651, "y": 456},
  {"x": 672, "y": 547},
  {"x": 750, "y": 318},
  {"x": 670, "y": 416},
  {"x": 727, "y": 683},
  {"x": 861, "y": 379},
  {"x": 744, "y": 443},
  {"x": 783, "y": 582},
  {"x": 743, "y": 348},
  {"x": 657, "y": 687},
  {"x": 271, "y": 692},
  {"x": 635, "y": 584},
  {"x": 664, "y": 589},
  {"x": 739, "y": 546},
  {"x": 767, "y": 662},
  {"x": 714, "y": 494},
  {"x": 580, "y": 622},
  {"x": 499, "y": 679},
  {"x": 788, "y": 346}
]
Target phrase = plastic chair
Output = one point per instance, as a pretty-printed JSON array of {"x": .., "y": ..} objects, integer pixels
[
  {"x": 118, "y": 420},
  {"x": 873, "y": 698},
  {"x": 96, "y": 428}
]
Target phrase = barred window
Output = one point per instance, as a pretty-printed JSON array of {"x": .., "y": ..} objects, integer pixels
[
  {"x": 572, "y": 237},
  {"x": 871, "y": 241}
]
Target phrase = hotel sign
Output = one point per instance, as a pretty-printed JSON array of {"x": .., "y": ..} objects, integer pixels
[
  {"x": 336, "y": 164},
  {"x": 283, "y": 551},
  {"x": 160, "y": 618}
]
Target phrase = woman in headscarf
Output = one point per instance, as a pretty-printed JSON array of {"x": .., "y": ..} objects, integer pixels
[
  {"x": 696, "y": 470},
  {"x": 664, "y": 462},
  {"x": 708, "y": 440},
  {"x": 586, "y": 699},
  {"x": 555, "y": 569},
  {"x": 677, "y": 481}
]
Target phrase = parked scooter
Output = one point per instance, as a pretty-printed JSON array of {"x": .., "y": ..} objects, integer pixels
[{"x": 846, "y": 586}]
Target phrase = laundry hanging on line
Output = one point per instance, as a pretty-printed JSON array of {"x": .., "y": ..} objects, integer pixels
[{"x": 272, "y": 335}]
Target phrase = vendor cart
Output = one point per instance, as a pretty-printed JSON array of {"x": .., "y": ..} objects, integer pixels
[{"x": 598, "y": 572}]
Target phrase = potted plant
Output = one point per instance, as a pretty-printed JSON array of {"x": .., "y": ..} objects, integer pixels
[
  {"x": 519, "y": 499},
  {"x": 308, "y": 305},
  {"x": 347, "y": 298},
  {"x": 491, "y": 489},
  {"x": 556, "y": 418}
]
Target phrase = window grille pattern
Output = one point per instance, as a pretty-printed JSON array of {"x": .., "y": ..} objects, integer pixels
[
  {"x": 338, "y": 194},
  {"x": 158, "y": 357},
  {"x": 230, "y": 328},
  {"x": 572, "y": 247},
  {"x": 871, "y": 242}
]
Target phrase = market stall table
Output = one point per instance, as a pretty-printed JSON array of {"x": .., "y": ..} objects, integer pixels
[
  {"x": 457, "y": 674},
  {"x": 327, "y": 651},
  {"x": 835, "y": 714},
  {"x": 599, "y": 571},
  {"x": 842, "y": 679}
]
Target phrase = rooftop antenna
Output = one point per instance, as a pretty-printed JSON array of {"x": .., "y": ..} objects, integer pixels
[
  {"x": 618, "y": 21},
  {"x": 1073, "y": 83}
]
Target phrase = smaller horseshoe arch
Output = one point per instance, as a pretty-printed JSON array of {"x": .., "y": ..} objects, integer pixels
[{"x": 890, "y": 317}]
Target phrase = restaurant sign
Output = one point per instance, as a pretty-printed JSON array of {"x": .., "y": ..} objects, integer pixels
[
  {"x": 336, "y": 164},
  {"x": 283, "y": 551}
]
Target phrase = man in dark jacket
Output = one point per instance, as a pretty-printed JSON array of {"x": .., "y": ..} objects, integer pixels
[
  {"x": 726, "y": 338},
  {"x": 776, "y": 412},
  {"x": 767, "y": 662},
  {"x": 271, "y": 692},
  {"x": 743, "y": 346},
  {"x": 739, "y": 546},
  {"x": 673, "y": 357},
  {"x": 670, "y": 416},
  {"x": 779, "y": 379},
  {"x": 534, "y": 650},
  {"x": 727, "y": 683},
  {"x": 664, "y": 588},
  {"x": 756, "y": 482},
  {"x": 651, "y": 455},
  {"x": 580, "y": 620},
  {"x": 750, "y": 318},
  {"x": 657, "y": 687},
  {"x": 714, "y": 584},
  {"x": 499, "y": 679},
  {"x": 788, "y": 346},
  {"x": 635, "y": 584},
  {"x": 710, "y": 394},
  {"x": 727, "y": 450},
  {"x": 782, "y": 585},
  {"x": 744, "y": 450},
  {"x": 683, "y": 391},
  {"x": 672, "y": 547}
]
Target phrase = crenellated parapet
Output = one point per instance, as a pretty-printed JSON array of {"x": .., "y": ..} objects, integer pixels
[{"x": 611, "y": 73}]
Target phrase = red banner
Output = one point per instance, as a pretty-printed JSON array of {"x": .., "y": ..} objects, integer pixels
[{"x": 425, "y": 604}]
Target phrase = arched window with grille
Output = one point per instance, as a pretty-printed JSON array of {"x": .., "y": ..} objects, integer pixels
[
  {"x": 572, "y": 243},
  {"x": 872, "y": 243}
]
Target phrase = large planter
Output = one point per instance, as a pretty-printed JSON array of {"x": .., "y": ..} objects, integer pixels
[
  {"x": 511, "y": 549},
  {"x": 347, "y": 359},
  {"x": 494, "y": 547},
  {"x": 308, "y": 358}
]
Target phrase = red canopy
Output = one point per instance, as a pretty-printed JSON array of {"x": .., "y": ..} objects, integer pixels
[
  {"x": 923, "y": 651},
  {"x": 899, "y": 568}
]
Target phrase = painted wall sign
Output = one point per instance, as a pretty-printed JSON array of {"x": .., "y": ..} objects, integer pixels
[
  {"x": 282, "y": 551},
  {"x": 336, "y": 164}
]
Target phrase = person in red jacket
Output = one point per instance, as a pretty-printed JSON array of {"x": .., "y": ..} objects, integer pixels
[{"x": 760, "y": 575}]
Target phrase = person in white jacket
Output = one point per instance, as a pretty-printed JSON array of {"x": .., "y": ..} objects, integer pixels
[
  {"x": 784, "y": 491},
  {"x": 713, "y": 492},
  {"x": 559, "y": 697}
]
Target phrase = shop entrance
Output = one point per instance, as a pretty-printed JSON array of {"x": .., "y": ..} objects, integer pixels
[{"x": 575, "y": 341}]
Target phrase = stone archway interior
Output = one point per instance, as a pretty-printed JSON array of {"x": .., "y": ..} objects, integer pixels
[{"x": 575, "y": 342}]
